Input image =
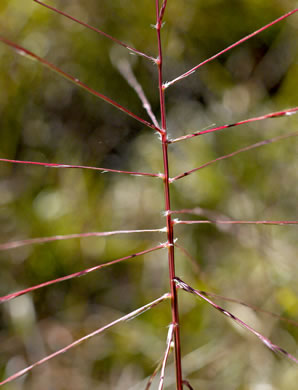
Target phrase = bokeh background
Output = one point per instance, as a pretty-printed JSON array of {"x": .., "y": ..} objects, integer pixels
[{"x": 45, "y": 118}]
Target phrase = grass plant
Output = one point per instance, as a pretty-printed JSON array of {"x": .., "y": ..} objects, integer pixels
[{"x": 189, "y": 268}]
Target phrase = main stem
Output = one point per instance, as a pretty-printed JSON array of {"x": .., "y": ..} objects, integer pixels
[{"x": 171, "y": 255}]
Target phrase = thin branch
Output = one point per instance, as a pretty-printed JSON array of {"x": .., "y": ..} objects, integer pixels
[
  {"x": 254, "y": 308},
  {"x": 191, "y": 258},
  {"x": 201, "y": 211},
  {"x": 162, "y": 11},
  {"x": 288, "y": 112},
  {"x": 209, "y": 294},
  {"x": 102, "y": 170},
  {"x": 166, "y": 355},
  {"x": 191, "y": 71},
  {"x": 178, "y": 222},
  {"x": 42, "y": 240},
  {"x": 24, "y": 52},
  {"x": 77, "y": 274},
  {"x": 124, "y": 68},
  {"x": 135, "y": 51},
  {"x": 88, "y": 336},
  {"x": 209, "y": 214},
  {"x": 245, "y": 149},
  {"x": 153, "y": 375},
  {"x": 167, "y": 197},
  {"x": 186, "y": 383},
  {"x": 265, "y": 340}
]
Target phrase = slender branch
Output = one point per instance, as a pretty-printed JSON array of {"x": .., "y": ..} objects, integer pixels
[
  {"x": 187, "y": 384},
  {"x": 245, "y": 149},
  {"x": 254, "y": 308},
  {"x": 290, "y": 111},
  {"x": 191, "y": 71},
  {"x": 153, "y": 375},
  {"x": 209, "y": 294},
  {"x": 22, "y": 51},
  {"x": 178, "y": 222},
  {"x": 160, "y": 70},
  {"x": 166, "y": 355},
  {"x": 135, "y": 51},
  {"x": 191, "y": 258},
  {"x": 211, "y": 214},
  {"x": 77, "y": 274},
  {"x": 102, "y": 170},
  {"x": 127, "y": 317},
  {"x": 42, "y": 240},
  {"x": 124, "y": 68},
  {"x": 265, "y": 340},
  {"x": 162, "y": 11},
  {"x": 171, "y": 254}
]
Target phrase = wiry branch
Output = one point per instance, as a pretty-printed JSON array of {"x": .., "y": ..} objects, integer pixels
[
  {"x": 275, "y": 348},
  {"x": 254, "y": 308},
  {"x": 191, "y": 71},
  {"x": 211, "y": 214},
  {"x": 178, "y": 222},
  {"x": 135, "y": 51},
  {"x": 162, "y": 11},
  {"x": 209, "y": 294},
  {"x": 187, "y": 384},
  {"x": 193, "y": 261},
  {"x": 42, "y": 240},
  {"x": 77, "y": 274},
  {"x": 245, "y": 149},
  {"x": 127, "y": 317},
  {"x": 166, "y": 355},
  {"x": 102, "y": 170},
  {"x": 22, "y": 51},
  {"x": 153, "y": 375},
  {"x": 124, "y": 68},
  {"x": 290, "y": 111},
  {"x": 167, "y": 197}
]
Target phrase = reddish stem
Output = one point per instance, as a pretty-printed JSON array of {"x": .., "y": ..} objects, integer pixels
[
  {"x": 102, "y": 170},
  {"x": 236, "y": 222},
  {"x": 289, "y": 112},
  {"x": 245, "y": 149},
  {"x": 267, "y": 342},
  {"x": 171, "y": 256},
  {"x": 191, "y": 71},
  {"x": 255, "y": 308},
  {"x": 127, "y": 317},
  {"x": 96, "y": 30},
  {"x": 77, "y": 274},
  {"x": 42, "y": 240},
  {"x": 22, "y": 51}
]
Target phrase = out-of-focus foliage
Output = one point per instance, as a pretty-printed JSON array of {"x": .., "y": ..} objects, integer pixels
[{"x": 45, "y": 118}]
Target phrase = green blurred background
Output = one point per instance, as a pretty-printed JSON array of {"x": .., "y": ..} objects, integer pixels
[{"x": 46, "y": 118}]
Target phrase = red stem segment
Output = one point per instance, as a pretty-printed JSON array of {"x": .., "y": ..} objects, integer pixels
[
  {"x": 245, "y": 149},
  {"x": 8, "y": 297},
  {"x": 191, "y": 71},
  {"x": 236, "y": 222},
  {"x": 96, "y": 30},
  {"x": 267, "y": 342},
  {"x": 127, "y": 317},
  {"x": 288, "y": 112},
  {"x": 42, "y": 240},
  {"x": 22, "y": 51},
  {"x": 171, "y": 256},
  {"x": 102, "y": 170}
]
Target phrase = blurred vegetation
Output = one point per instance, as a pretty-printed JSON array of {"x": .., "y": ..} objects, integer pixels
[{"x": 45, "y": 118}]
